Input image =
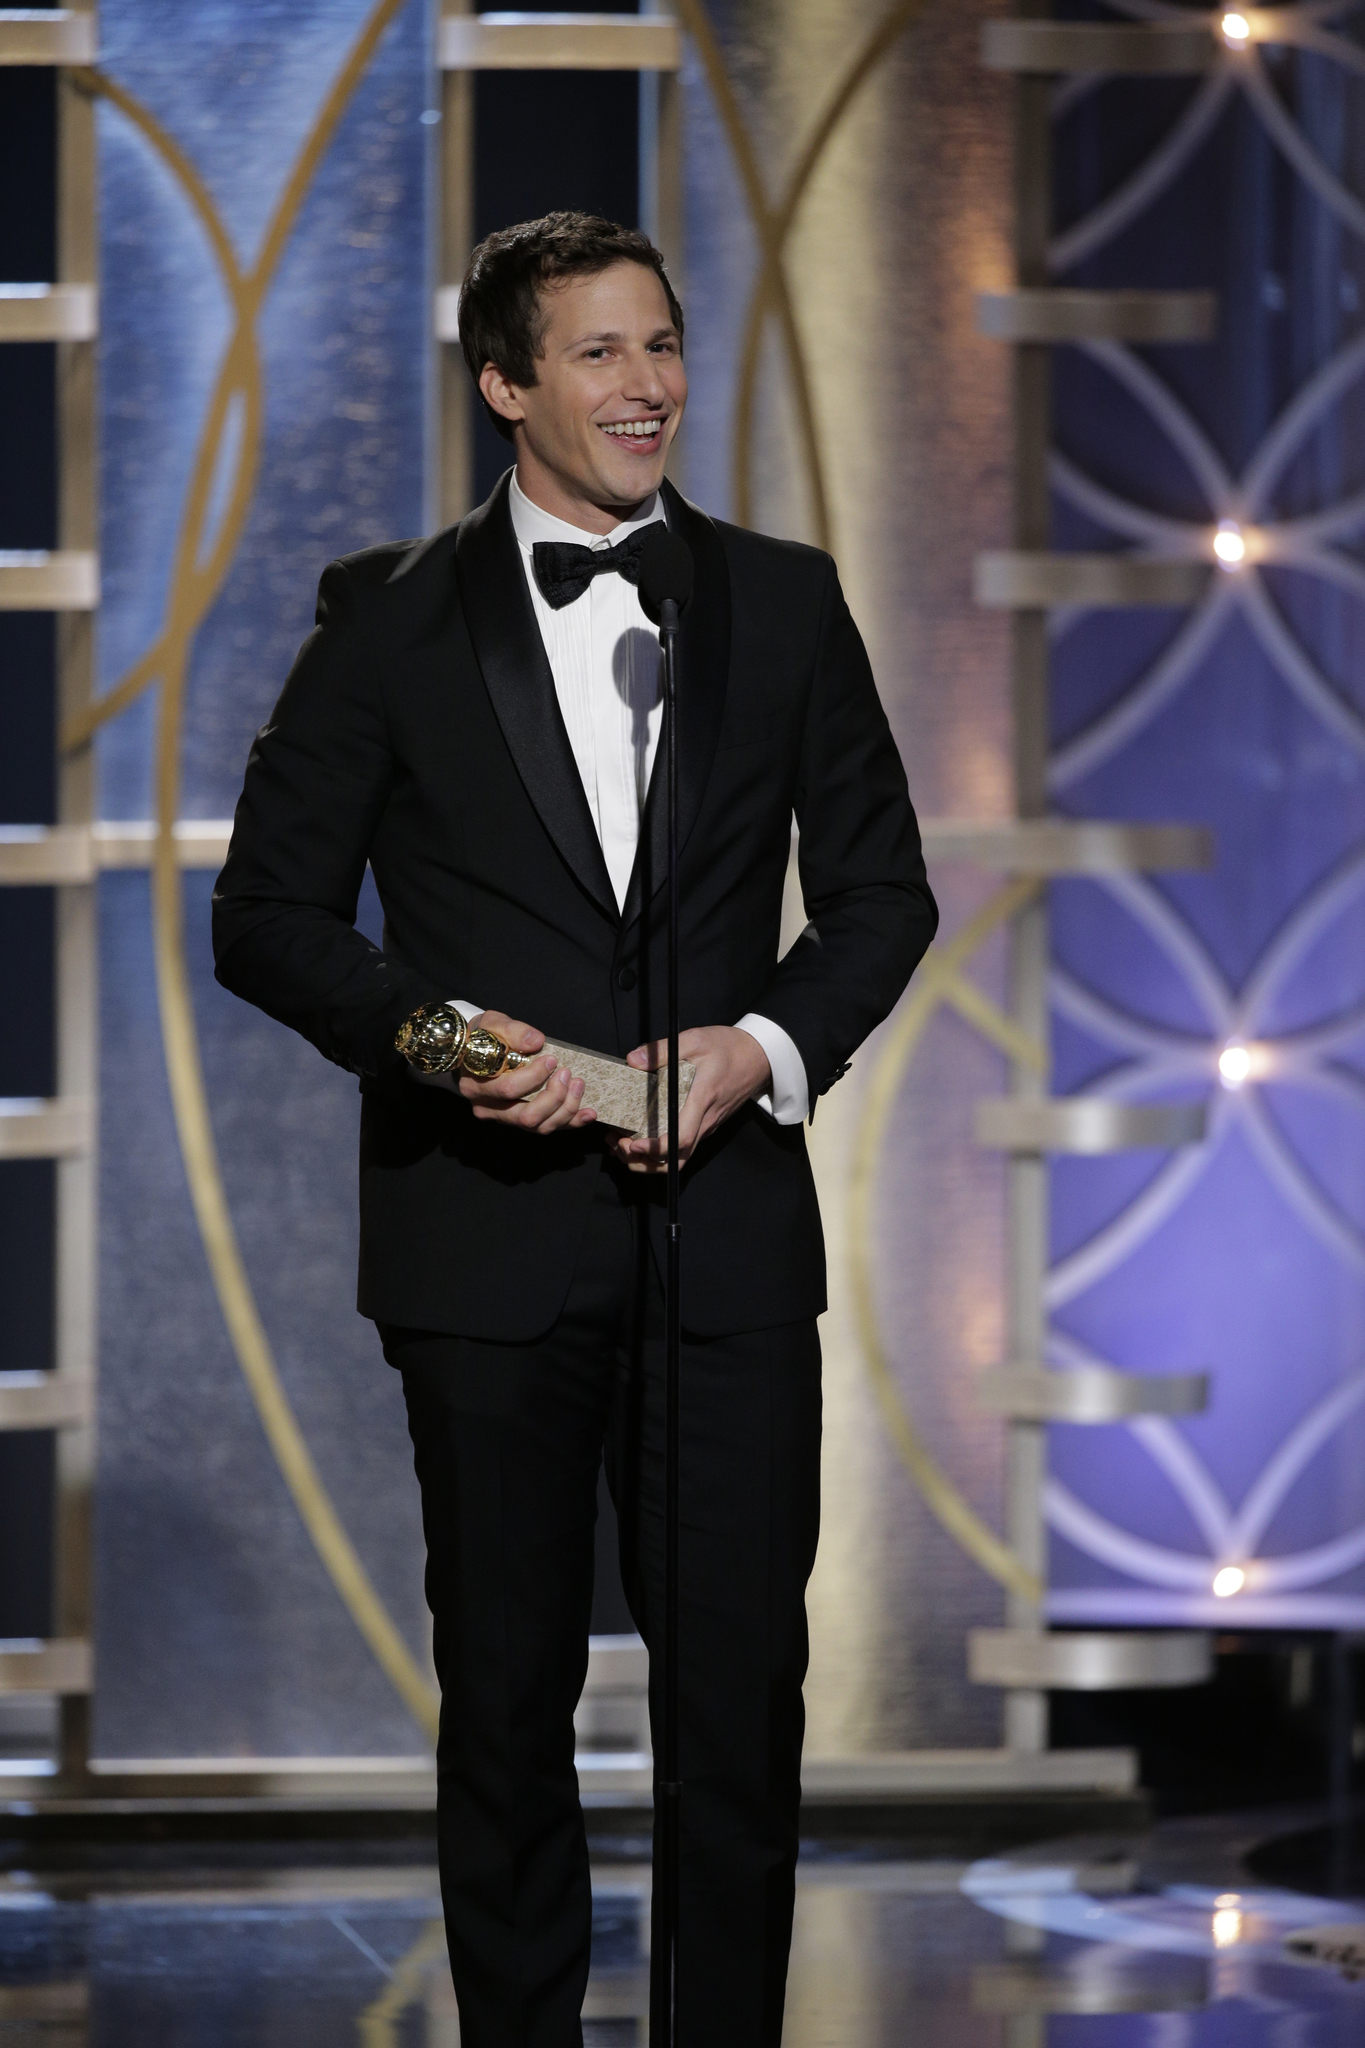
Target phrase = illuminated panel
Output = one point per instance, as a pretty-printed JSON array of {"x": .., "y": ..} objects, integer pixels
[
  {"x": 219, "y": 1632},
  {"x": 1240, "y": 989}
]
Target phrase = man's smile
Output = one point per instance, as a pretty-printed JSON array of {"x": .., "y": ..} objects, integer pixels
[{"x": 641, "y": 436}]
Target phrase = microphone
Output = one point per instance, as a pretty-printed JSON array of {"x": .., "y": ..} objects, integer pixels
[
  {"x": 665, "y": 585},
  {"x": 665, "y": 573}
]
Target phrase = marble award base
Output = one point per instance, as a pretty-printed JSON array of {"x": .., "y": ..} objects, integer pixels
[{"x": 627, "y": 1098}]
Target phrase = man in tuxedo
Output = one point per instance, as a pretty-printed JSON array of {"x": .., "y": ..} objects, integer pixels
[{"x": 477, "y": 716}]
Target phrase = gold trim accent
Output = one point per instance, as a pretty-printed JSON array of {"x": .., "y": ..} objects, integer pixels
[
  {"x": 45, "y": 1400},
  {"x": 378, "y": 2024},
  {"x": 772, "y": 224},
  {"x": 192, "y": 590},
  {"x": 557, "y": 42},
  {"x": 193, "y": 587},
  {"x": 46, "y": 1127},
  {"x": 940, "y": 980},
  {"x": 49, "y": 312},
  {"x": 49, "y": 580},
  {"x": 60, "y": 1664}
]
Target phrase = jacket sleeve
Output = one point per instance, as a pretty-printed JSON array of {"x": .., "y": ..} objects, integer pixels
[
  {"x": 284, "y": 907},
  {"x": 871, "y": 914}
]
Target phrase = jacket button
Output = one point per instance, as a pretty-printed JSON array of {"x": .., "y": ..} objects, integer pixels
[{"x": 626, "y": 977}]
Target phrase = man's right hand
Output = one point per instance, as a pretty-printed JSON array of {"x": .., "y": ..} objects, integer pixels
[{"x": 541, "y": 1096}]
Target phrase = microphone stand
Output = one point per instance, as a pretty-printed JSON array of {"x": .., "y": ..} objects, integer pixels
[{"x": 663, "y": 1974}]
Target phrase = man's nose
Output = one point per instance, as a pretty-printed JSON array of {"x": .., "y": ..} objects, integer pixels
[{"x": 643, "y": 381}]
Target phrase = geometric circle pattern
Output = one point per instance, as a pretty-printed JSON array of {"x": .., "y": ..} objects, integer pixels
[{"x": 1249, "y": 989}]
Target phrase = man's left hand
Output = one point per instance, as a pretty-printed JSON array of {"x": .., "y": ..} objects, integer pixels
[{"x": 732, "y": 1069}]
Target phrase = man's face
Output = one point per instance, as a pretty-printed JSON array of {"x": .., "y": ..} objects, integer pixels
[{"x": 595, "y": 428}]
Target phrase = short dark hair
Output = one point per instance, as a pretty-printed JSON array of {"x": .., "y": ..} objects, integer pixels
[{"x": 502, "y": 314}]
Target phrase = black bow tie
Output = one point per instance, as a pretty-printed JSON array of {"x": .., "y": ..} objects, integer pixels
[{"x": 564, "y": 570}]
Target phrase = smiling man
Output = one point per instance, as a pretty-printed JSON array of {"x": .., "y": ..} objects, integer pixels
[{"x": 477, "y": 716}]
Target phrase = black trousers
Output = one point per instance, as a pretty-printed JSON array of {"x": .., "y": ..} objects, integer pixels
[{"x": 508, "y": 1441}]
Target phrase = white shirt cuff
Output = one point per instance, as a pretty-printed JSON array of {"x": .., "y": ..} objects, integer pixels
[
  {"x": 788, "y": 1100},
  {"x": 469, "y": 1011}
]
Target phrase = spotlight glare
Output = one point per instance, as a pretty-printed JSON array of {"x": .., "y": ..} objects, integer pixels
[
  {"x": 1236, "y": 28},
  {"x": 1228, "y": 1581},
  {"x": 1227, "y": 1926},
  {"x": 1234, "y": 1065},
  {"x": 1229, "y": 544}
]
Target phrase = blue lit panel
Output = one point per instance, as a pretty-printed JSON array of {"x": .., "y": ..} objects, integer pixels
[
  {"x": 219, "y": 1632},
  {"x": 1243, "y": 988}
]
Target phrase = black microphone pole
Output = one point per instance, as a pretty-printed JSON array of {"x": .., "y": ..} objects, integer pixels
[
  {"x": 668, "y": 1818},
  {"x": 665, "y": 587}
]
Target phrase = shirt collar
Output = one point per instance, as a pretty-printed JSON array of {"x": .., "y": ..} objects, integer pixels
[{"x": 530, "y": 524}]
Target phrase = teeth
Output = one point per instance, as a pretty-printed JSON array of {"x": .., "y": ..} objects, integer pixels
[{"x": 641, "y": 430}]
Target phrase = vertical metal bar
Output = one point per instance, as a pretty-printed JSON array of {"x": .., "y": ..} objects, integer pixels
[
  {"x": 661, "y": 189},
  {"x": 661, "y": 167},
  {"x": 77, "y": 989},
  {"x": 647, "y": 173},
  {"x": 668, "y": 1816},
  {"x": 1026, "y": 1448},
  {"x": 666, "y": 231},
  {"x": 455, "y": 242}
]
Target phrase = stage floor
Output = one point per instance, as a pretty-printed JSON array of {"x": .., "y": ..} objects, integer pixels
[{"x": 1048, "y": 1945}]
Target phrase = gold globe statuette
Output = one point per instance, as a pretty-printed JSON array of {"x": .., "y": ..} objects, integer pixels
[{"x": 437, "y": 1039}]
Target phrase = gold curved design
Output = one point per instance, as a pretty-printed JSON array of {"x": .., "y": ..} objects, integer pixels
[
  {"x": 940, "y": 980},
  {"x": 940, "y": 976},
  {"x": 192, "y": 589},
  {"x": 378, "y": 2024},
  {"x": 193, "y": 586},
  {"x": 772, "y": 223}
]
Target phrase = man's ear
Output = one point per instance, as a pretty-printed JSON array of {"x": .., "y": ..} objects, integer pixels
[{"x": 500, "y": 394}]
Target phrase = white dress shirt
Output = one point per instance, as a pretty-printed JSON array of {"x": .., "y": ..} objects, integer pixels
[{"x": 604, "y": 657}]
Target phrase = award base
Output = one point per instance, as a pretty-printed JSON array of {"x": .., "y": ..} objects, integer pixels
[{"x": 627, "y": 1098}]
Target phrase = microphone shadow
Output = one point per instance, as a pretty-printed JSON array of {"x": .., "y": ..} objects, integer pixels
[{"x": 635, "y": 667}]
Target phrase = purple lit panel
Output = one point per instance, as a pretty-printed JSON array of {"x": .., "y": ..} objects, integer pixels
[{"x": 1244, "y": 1256}]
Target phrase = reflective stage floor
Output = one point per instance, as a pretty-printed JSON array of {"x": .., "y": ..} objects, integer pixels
[{"x": 1167, "y": 1942}]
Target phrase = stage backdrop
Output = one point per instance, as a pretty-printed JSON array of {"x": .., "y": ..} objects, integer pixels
[
  {"x": 265, "y": 383},
  {"x": 1244, "y": 1256}
]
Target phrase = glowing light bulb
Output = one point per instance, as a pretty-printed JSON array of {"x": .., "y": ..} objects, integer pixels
[
  {"x": 1236, "y": 28},
  {"x": 1234, "y": 1065},
  {"x": 1230, "y": 544},
  {"x": 1228, "y": 1581},
  {"x": 1227, "y": 1920}
]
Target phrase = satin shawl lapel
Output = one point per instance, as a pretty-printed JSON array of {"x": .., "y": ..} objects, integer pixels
[
  {"x": 511, "y": 654},
  {"x": 703, "y": 674}
]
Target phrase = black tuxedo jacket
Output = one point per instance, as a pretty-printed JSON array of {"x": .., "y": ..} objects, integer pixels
[{"x": 419, "y": 731}]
